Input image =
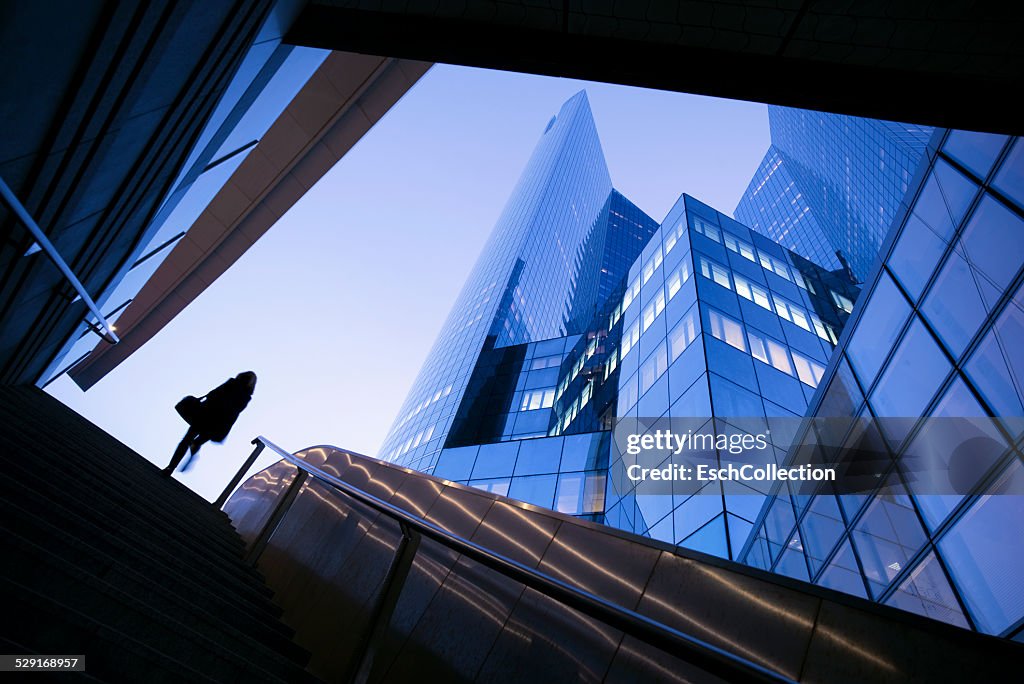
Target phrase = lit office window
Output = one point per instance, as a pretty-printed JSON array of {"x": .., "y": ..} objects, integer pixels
[
  {"x": 673, "y": 237},
  {"x": 808, "y": 371},
  {"x": 727, "y": 330},
  {"x": 824, "y": 330},
  {"x": 708, "y": 230},
  {"x": 740, "y": 247},
  {"x": 613, "y": 362},
  {"x": 538, "y": 399},
  {"x": 683, "y": 334},
  {"x": 772, "y": 264},
  {"x": 630, "y": 338},
  {"x": 652, "y": 265},
  {"x": 653, "y": 309},
  {"x": 678, "y": 278},
  {"x": 842, "y": 302},
  {"x": 767, "y": 350},
  {"x": 653, "y": 368},
  {"x": 588, "y": 390},
  {"x": 800, "y": 318},
  {"x": 632, "y": 292},
  {"x": 754, "y": 293},
  {"x": 719, "y": 274}
]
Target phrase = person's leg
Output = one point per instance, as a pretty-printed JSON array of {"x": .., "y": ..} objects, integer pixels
[
  {"x": 179, "y": 452},
  {"x": 193, "y": 450}
]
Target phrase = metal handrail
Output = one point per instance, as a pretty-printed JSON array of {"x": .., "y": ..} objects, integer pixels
[
  {"x": 704, "y": 655},
  {"x": 51, "y": 252}
]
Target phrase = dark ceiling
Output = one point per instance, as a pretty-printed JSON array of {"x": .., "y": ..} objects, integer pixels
[{"x": 951, "y": 64}]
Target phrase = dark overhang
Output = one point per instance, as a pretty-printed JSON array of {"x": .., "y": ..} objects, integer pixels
[{"x": 952, "y": 64}]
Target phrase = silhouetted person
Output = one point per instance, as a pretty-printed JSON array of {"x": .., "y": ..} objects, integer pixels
[{"x": 211, "y": 420}]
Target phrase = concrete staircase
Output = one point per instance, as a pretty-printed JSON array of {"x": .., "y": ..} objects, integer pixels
[{"x": 105, "y": 557}]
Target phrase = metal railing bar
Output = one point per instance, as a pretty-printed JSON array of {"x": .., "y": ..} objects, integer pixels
[
  {"x": 51, "y": 252},
  {"x": 704, "y": 655},
  {"x": 222, "y": 499}
]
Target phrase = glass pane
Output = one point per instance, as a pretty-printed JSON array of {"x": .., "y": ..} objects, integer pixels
[
  {"x": 842, "y": 573},
  {"x": 915, "y": 256},
  {"x": 1010, "y": 179},
  {"x": 994, "y": 241},
  {"x": 916, "y": 370},
  {"x": 456, "y": 464},
  {"x": 985, "y": 552},
  {"x": 886, "y": 537},
  {"x": 998, "y": 362},
  {"x": 496, "y": 460},
  {"x": 569, "y": 496},
  {"x": 887, "y": 310},
  {"x": 538, "y": 456},
  {"x": 535, "y": 489},
  {"x": 822, "y": 527},
  {"x": 954, "y": 306},
  {"x": 976, "y": 151},
  {"x": 927, "y": 592}
]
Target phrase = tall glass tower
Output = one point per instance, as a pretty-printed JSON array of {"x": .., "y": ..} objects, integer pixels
[
  {"x": 560, "y": 240},
  {"x": 938, "y": 335},
  {"x": 832, "y": 183}
]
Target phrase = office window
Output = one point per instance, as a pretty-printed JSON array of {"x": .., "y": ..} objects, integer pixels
[
  {"x": 652, "y": 265},
  {"x": 727, "y": 330},
  {"x": 824, "y": 330},
  {"x": 710, "y": 231},
  {"x": 673, "y": 237},
  {"x": 719, "y": 274},
  {"x": 538, "y": 399},
  {"x": 630, "y": 338},
  {"x": 808, "y": 371},
  {"x": 739, "y": 246},
  {"x": 770, "y": 263},
  {"x": 781, "y": 307},
  {"x": 653, "y": 368},
  {"x": 754, "y": 293},
  {"x": 632, "y": 292},
  {"x": 653, "y": 309},
  {"x": 767, "y": 350},
  {"x": 678, "y": 278},
  {"x": 799, "y": 316},
  {"x": 842, "y": 302},
  {"x": 683, "y": 334}
]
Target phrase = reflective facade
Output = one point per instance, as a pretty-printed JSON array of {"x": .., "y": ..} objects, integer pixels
[
  {"x": 831, "y": 183},
  {"x": 538, "y": 277},
  {"x": 718, "y": 321},
  {"x": 267, "y": 80},
  {"x": 939, "y": 332}
]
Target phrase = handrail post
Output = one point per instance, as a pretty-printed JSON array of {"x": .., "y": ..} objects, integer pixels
[
  {"x": 391, "y": 589},
  {"x": 223, "y": 498},
  {"x": 280, "y": 510}
]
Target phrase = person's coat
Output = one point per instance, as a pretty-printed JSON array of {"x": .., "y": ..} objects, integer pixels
[{"x": 221, "y": 408}]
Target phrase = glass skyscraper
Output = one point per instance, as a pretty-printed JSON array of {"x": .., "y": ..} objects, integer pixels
[
  {"x": 832, "y": 183},
  {"x": 702, "y": 318},
  {"x": 555, "y": 251},
  {"x": 938, "y": 333}
]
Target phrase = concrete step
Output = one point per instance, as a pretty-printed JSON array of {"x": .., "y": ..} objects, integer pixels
[
  {"x": 251, "y": 619},
  {"x": 70, "y": 482},
  {"x": 176, "y": 627},
  {"x": 40, "y": 432},
  {"x": 148, "y": 551}
]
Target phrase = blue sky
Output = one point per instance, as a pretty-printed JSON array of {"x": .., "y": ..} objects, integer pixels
[{"x": 337, "y": 305}]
